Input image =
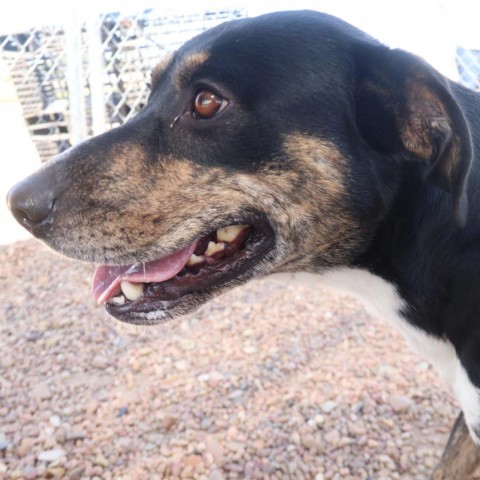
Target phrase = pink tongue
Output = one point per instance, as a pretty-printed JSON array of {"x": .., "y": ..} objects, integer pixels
[{"x": 107, "y": 279}]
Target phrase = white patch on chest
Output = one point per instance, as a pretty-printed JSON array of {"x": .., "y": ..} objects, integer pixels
[{"x": 382, "y": 300}]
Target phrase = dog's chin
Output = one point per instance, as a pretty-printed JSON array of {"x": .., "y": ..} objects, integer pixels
[{"x": 197, "y": 283}]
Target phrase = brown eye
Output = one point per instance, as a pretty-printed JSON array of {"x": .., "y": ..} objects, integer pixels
[{"x": 207, "y": 104}]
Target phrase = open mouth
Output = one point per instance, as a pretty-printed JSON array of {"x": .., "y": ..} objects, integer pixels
[{"x": 145, "y": 292}]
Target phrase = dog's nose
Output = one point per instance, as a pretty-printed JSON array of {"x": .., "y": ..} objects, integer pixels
[{"x": 31, "y": 202}]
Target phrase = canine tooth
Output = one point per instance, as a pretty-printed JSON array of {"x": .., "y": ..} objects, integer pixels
[
  {"x": 213, "y": 248},
  {"x": 133, "y": 291},
  {"x": 230, "y": 233},
  {"x": 194, "y": 260},
  {"x": 118, "y": 300}
]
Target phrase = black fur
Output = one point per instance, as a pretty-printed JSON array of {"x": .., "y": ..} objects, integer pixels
[{"x": 409, "y": 140}]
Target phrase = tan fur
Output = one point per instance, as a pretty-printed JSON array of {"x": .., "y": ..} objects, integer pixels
[
  {"x": 187, "y": 68},
  {"x": 423, "y": 106},
  {"x": 146, "y": 211},
  {"x": 161, "y": 68}
]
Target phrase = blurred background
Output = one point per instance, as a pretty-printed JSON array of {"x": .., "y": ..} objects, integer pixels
[{"x": 276, "y": 380}]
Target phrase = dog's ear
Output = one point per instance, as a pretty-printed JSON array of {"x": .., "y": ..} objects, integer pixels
[{"x": 403, "y": 105}]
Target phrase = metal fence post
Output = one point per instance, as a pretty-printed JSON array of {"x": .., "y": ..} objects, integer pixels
[
  {"x": 75, "y": 80},
  {"x": 96, "y": 68}
]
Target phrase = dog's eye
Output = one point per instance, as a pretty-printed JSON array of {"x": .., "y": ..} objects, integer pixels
[{"x": 207, "y": 104}]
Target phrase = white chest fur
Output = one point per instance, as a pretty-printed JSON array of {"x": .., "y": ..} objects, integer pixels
[{"x": 382, "y": 300}]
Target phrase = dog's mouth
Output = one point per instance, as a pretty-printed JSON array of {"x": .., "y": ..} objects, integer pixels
[{"x": 146, "y": 292}]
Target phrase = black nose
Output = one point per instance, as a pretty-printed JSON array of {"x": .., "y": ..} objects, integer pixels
[{"x": 31, "y": 202}]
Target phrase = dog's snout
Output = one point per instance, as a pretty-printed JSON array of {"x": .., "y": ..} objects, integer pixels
[{"x": 31, "y": 202}]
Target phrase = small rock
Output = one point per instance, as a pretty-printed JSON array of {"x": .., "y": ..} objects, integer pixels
[
  {"x": 187, "y": 472},
  {"x": 122, "y": 411},
  {"x": 30, "y": 473},
  {"x": 233, "y": 467},
  {"x": 187, "y": 344},
  {"x": 55, "y": 421},
  {"x": 34, "y": 335},
  {"x": 25, "y": 446},
  {"x": 55, "y": 472},
  {"x": 101, "y": 461},
  {"x": 182, "y": 365},
  {"x": 400, "y": 403},
  {"x": 216, "y": 475},
  {"x": 41, "y": 392},
  {"x": 319, "y": 420},
  {"x": 249, "y": 349},
  {"x": 60, "y": 436},
  {"x": 4, "y": 443},
  {"x": 92, "y": 407},
  {"x": 125, "y": 444},
  {"x": 168, "y": 422},
  {"x": 99, "y": 362},
  {"x": 193, "y": 460},
  {"x": 206, "y": 423},
  {"x": 51, "y": 455},
  {"x": 75, "y": 435},
  {"x": 76, "y": 473},
  {"x": 310, "y": 442},
  {"x": 3, "y": 468},
  {"x": 319, "y": 476},
  {"x": 327, "y": 407},
  {"x": 332, "y": 437},
  {"x": 214, "y": 447}
]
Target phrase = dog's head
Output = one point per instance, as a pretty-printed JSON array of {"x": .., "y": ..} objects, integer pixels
[{"x": 270, "y": 144}]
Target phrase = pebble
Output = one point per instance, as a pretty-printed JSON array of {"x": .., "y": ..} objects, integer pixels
[
  {"x": 26, "y": 446},
  {"x": 328, "y": 406},
  {"x": 215, "y": 449},
  {"x": 75, "y": 435},
  {"x": 400, "y": 403},
  {"x": 4, "y": 443},
  {"x": 206, "y": 423},
  {"x": 101, "y": 461},
  {"x": 332, "y": 437},
  {"x": 41, "y": 392},
  {"x": 55, "y": 472},
  {"x": 76, "y": 473},
  {"x": 51, "y": 455},
  {"x": 100, "y": 362},
  {"x": 55, "y": 421},
  {"x": 319, "y": 420}
]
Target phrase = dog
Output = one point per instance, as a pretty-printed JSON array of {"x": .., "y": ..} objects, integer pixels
[{"x": 290, "y": 142}]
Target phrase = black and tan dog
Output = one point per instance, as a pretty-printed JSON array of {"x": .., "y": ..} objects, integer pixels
[{"x": 291, "y": 142}]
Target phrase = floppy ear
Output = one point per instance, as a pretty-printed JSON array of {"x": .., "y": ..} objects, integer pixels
[{"x": 403, "y": 105}]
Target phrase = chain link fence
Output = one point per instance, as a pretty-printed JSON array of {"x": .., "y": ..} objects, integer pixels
[
  {"x": 113, "y": 56},
  {"x": 93, "y": 74}
]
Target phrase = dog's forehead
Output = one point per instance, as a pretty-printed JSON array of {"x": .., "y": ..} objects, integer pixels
[{"x": 280, "y": 45}]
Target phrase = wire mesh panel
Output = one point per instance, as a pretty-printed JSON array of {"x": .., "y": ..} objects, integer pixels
[
  {"x": 129, "y": 45},
  {"x": 468, "y": 64},
  {"x": 133, "y": 45},
  {"x": 36, "y": 60}
]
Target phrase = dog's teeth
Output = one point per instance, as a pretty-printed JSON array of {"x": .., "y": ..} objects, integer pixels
[
  {"x": 118, "y": 300},
  {"x": 213, "y": 248},
  {"x": 194, "y": 260},
  {"x": 133, "y": 291},
  {"x": 230, "y": 233}
]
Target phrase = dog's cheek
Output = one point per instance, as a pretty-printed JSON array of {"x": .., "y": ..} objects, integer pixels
[{"x": 315, "y": 221}]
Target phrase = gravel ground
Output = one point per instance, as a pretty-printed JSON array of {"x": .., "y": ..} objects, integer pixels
[{"x": 271, "y": 381}]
